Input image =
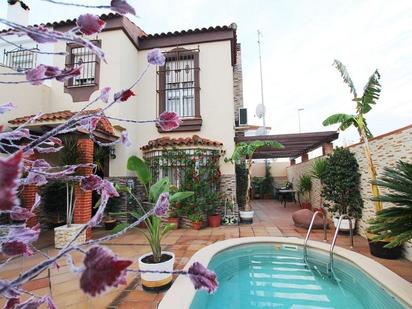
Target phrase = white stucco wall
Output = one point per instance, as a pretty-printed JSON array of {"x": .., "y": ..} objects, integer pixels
[{"x": 125, "y": 63}]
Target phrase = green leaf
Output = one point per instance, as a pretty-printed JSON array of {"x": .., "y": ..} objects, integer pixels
[
  {"x": 120, "y": 227},
  {"x": 140, "y": 168},
  {"x": 339, "y": 118},
  {"x": 167, "y": 228},
  {"x": 371, "y": 93},
  {"x": 158, "y": 188},
  {"x": 180, "y": 196},
  {"x": 345, "y": 76}
]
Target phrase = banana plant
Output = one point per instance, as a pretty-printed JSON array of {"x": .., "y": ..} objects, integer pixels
[
  {"x": 245, "y": 151},
  {"x": 156, "y": 229},
  {"x": 364, "y": 103}
]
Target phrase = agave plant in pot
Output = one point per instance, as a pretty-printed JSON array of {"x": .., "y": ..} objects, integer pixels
[
  {"x": 156, "y": 260},
  {"x": 392, "y": 226},
  {"x": 304, "y": 187},
  {"x": 243, "y": 154}
]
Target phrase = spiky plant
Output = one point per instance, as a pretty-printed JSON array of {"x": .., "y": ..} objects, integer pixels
[
  {"x": 395, "y": 223},
  {"x": 370, "y": 96}
]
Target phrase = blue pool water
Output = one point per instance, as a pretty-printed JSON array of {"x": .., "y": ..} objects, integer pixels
[{"x": 275, "y": 276}]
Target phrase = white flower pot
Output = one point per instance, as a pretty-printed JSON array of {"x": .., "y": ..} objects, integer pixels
[
  {"x": 64, "y": 234},
  {"x": 246, "y": 216},
  {"x": 157, "y": 281},
  {"x": 344, "y": 225}
]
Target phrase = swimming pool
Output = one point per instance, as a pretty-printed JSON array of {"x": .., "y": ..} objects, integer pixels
[
  {"x": 269, "y": 272},
  {"x": 275, "y": 276}
]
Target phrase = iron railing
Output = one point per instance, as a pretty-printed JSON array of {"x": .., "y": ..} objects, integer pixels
[{"x": 20, "y": 58}]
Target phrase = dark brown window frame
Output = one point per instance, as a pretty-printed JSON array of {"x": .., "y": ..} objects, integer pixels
[
  {"x": 81, "y": 93},
  {"x": 192, "y": 123}
]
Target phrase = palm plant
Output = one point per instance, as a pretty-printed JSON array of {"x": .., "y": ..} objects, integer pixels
[
  {"x": 395, "y": 223},
  {"x": 69, "y": 155},
  {"x": 364, "y": 103},
  {"x": 245, "y": 151}
]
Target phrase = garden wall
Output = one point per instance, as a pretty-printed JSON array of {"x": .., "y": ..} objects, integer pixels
[{"x": 387, "y": 149}]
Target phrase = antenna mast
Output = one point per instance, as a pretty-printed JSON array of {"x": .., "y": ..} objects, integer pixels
[{"x": 261, "y": 83}]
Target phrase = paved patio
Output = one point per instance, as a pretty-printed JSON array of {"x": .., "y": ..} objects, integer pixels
[{"x": 271, "y": 219}]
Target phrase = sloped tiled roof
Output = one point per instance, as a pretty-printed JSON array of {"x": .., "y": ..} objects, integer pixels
[
  {"x": 167, "y": 141},
  {"x": 103, "y": 125},
  {"x": 190, "y": 31}
]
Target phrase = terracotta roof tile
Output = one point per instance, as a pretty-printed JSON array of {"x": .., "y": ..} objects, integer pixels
[
  {"x": 232, "y": 26},
  {"x": 103, "y": 125},
  {"x": 181, "y": 141}
]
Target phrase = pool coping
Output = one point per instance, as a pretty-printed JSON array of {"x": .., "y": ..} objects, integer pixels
[{"x": 182, "y": 292}]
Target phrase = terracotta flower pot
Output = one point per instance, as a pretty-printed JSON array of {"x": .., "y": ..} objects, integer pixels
[
  {"x": 214, "y": 220},
  {"x": 306, "y": 205},
  {"x": 196, "y": 225},
  {"x": 142, "y": 225},
  {"x": 174, "y": 220}
]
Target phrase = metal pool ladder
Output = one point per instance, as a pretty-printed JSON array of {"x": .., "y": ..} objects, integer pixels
[
  {"x": 305, "y": 246},
  {"x": 332, "y": 246}
]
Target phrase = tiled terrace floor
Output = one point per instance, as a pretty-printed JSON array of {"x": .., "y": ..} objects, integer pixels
[{"x": 271, "y": 219}]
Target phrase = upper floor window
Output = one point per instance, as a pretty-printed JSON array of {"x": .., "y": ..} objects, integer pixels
[
  {"x": 179, "y": 87},
  {"x": 20, "y": 58},
  {"x": 83, "y": 56},
  {"x": 82, "y": 86}
]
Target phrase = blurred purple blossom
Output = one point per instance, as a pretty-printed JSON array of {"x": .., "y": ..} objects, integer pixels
[
  {"x": 169, "y": 121},
  {"x": 123, "y": 95},
  {"x": 103, "y": 270},
  {"x": 6, "y": 107},
  {"x": 124, "y": 138},
  {"x": 104, "y": 94},
  {"x": 162, "y": 204},
  {"x": 37, "y": 75},
  {"x": 40, "y": 35},
  {"x": 20, "y": 213},
  {"x": 90, "y": 24},
  {"x": 122, "y": 7},
  {"x": 156, "y": 57},
  {"x": 202, "y": 278},
  {"x": 10, "y": 173}
]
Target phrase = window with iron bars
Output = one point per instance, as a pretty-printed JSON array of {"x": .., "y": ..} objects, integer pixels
[
  {"x": 81, "y": 56},
  {"x": 179, "y": 83},
  {"x": 20, "y": 58}
]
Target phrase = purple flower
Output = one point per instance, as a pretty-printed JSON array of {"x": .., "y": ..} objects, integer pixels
[
  {"x": 10, "y": 172},
  {"x": 20, "y": 213},
  {"x": 122, "y": 7},
  {"x": 51, "y": 71},
  {"x": 6, "y": 107},
  {"x": 37, "y": 75},
  {"x": 92, "y": 182},
  {"x": 41, "y": 35},
  {"x": 162, "y": 204},
  {"x": 48, "y": 149},
  {"x": 69, "y": 73},
  {"x": 98, "y": 216},
  {"x": 15, "y": 134},
  {"x": 34, "y": 178},
  {"x": 90, "y": 24},
  {"x": 15, "y": 247},
  {"x": 103, "y": 270},
  {"x": 89, "y": 124},
  {"x": 169, "y": 121},
  {"x": 104, "y": 94},
  {"x": 36, "y": 302},
  {"x": 12, "y": 302},
  {"x": 124, "y": 138},
  {"x": 108, "y": 189},
  {"x": 123, "y": 95},
  {"x": 202, "y": 278},
  {"x": 156, "y": 57}
]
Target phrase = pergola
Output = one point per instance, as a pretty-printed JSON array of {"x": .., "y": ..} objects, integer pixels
[{"x": 295, "y": 145}]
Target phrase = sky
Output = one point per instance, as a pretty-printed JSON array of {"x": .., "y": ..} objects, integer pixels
[{"x": 301, "y": 38}]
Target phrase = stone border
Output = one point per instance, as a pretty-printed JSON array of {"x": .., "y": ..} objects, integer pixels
[{"x": 182, "y": 292}]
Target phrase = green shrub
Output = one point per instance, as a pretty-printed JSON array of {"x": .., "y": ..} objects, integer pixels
[
  {"x": 241, "y": 184},
  {"x": 341, "y": 182}
]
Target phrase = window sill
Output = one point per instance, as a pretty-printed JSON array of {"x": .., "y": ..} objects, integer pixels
[
  {"x": 188, "y": 125},
  {"x": 80, "y": 86}
]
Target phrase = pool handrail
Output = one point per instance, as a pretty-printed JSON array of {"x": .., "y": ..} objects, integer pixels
[
  {"x": 332, "y": 246},
  {"x": 305, "y": 249}
]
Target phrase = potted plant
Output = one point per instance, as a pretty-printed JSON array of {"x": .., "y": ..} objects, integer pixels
[
  {"x": 156, "y": 259},
  {"x": 304, "y": 188},
  {"x": 340, "y": 190},
  {"x": 243, "y": 154},
  {"x": 174, "y": 209},
  {"x": 210, "y": 204},
  {"x": 112, "y": 208},
  {"x": 364, "y": 104},
  {"x": 257, "y": 188},
  {"x": 196, "y": 219},
  {"x": 54, "y": 203},
  {"x": 392, "y": 226},
  {"x": 69, "y": 155},
  {"x": 267, "y": 184}
]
